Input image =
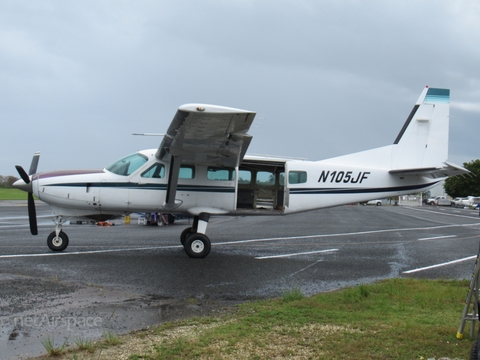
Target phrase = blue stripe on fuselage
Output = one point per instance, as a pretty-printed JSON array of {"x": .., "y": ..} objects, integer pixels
[
  {"x": 223, "y": 189},
  {"x": 135, "y": 186},
  {"x": 331, "y": 191}
]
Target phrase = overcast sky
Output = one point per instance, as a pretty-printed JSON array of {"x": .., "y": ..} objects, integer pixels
[{"x": 326, "y": 78}]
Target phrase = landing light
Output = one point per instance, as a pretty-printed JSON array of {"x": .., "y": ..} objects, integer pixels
[{"x": 200, "y": 108}]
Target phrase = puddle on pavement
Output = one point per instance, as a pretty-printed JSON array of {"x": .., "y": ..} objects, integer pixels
[{"x": 33, "y": 311}]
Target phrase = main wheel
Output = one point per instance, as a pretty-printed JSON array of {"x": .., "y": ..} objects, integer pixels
[
  {"x": 59, "y": 243},
  {"x": 184, "y": 235},
  {"x": 197, "y": 245}
]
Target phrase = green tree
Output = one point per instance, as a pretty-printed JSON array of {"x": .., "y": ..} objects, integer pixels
[
  {"x": 465, "y": 185},
  {"x": 7, "y": 181}
]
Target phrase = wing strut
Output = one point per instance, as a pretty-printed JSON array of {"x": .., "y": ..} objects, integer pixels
[{"x": 170, "y": 202}]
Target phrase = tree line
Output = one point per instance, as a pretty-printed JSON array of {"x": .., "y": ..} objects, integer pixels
[
  {"x": 465, "y": 185},
  {"x": 7, "y": 181}
]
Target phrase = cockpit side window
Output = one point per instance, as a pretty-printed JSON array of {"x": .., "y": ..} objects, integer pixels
[
  {"x": 127, "y": 165},
  {"x": 156, "y": 171}
]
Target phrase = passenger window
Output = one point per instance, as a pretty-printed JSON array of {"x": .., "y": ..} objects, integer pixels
[
  {"x": 265, "y": 178},
  {"x": 186, "y": 172},
  {"x": 244, "y": 177},
  {"x": 297, "y": 177},
  {"x": 218, "y": 173},
  {"x": 281, "y": 179},
  {"x": 156, "y": 171}
]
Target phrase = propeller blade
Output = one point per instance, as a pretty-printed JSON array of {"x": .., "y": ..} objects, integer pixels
[
  {"x": 32, "y": 215},
  {"x": 34, "y": 164},
  {"x": 23, "y": 174}
]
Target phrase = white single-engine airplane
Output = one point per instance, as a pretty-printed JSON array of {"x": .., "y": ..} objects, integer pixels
[{"x": 201, "y": 169}]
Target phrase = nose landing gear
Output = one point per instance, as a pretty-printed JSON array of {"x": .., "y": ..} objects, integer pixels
[{"x": 57, "y": 240}]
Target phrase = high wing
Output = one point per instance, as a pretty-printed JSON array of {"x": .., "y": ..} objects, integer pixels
[
  {"x": 204, "y": 134},
  {"x": 207, "y": 134}
]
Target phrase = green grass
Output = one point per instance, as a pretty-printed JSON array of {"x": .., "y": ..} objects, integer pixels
[
  {"x": 111, "y": 339},
  {"x": 84, "y": 344},
  {"x": 52, "y": 351},
  {"x": 292, "y": 295},
  {"x": 391, "y": 319},
  {"x": 12, "y": 194}
]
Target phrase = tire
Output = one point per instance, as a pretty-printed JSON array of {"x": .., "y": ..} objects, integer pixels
[
  {"x": 379, "y": 203},
  {"x": 184, "y": 235},
  {"x": 197, "y": 245},
  {"x": 57, "y": 244}
]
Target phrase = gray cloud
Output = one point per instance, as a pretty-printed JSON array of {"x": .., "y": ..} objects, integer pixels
[{"x": 326, "y": 78}]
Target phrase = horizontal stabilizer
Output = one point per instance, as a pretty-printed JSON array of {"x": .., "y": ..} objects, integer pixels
[{"x": 448, "y": 169}]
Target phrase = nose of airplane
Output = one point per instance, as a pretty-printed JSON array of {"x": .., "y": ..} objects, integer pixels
[{"x": 21, "y": 185}]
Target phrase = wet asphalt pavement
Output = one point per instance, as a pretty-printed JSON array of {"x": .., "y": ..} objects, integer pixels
[{"x": 125, "y": 277}]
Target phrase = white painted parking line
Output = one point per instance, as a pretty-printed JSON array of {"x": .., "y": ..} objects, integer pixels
[
  {"x": 438, "y": 237},
  {"x": 473, "y": 216},
  {"x": 230, "y": 243},
  {"x": 366, "y": 232},
  {"x": 86, "y": 252},
  {"x": 295, "y": 254},
  {"x": 439, "y": 265},
  {"x": 25, "y": 217}
]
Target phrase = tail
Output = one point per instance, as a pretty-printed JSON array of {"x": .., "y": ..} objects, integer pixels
[
  {"x": 423, "y": 140},
  {"x": 421, "y": 147}
]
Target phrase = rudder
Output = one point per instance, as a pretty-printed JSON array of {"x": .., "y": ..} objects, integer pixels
[{"x": 423, "y": 139}]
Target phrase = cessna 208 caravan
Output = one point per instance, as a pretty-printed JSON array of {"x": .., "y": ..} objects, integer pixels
[{"x": 201, "y": 168}]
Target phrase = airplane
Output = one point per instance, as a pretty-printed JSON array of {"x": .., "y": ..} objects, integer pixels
[{"x": 201, "y": 169}]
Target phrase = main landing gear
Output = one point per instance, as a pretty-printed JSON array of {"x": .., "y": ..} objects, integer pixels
[
  {"x": 194, "y": 240},
  {"x": 57, "y": 240}
]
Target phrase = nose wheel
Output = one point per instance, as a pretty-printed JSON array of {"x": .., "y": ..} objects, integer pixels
[
  {"x": 57, "y": 243},
  {"x": 57, "y": 240}
]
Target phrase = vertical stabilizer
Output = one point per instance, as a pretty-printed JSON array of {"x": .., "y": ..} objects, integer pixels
[{"x": 423, "y": 140}]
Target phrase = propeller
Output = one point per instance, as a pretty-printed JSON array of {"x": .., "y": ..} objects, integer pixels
[
  {"x": 23, "y": 174},
  {"x": 32, "y": 213}
]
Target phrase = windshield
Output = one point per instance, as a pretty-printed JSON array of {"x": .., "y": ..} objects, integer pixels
[{"x": 127, "y": 165}]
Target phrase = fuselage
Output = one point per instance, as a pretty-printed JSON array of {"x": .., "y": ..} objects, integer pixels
[
  {"x": 258, "y": 186},
  {"x": 200, "y": 168}
]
